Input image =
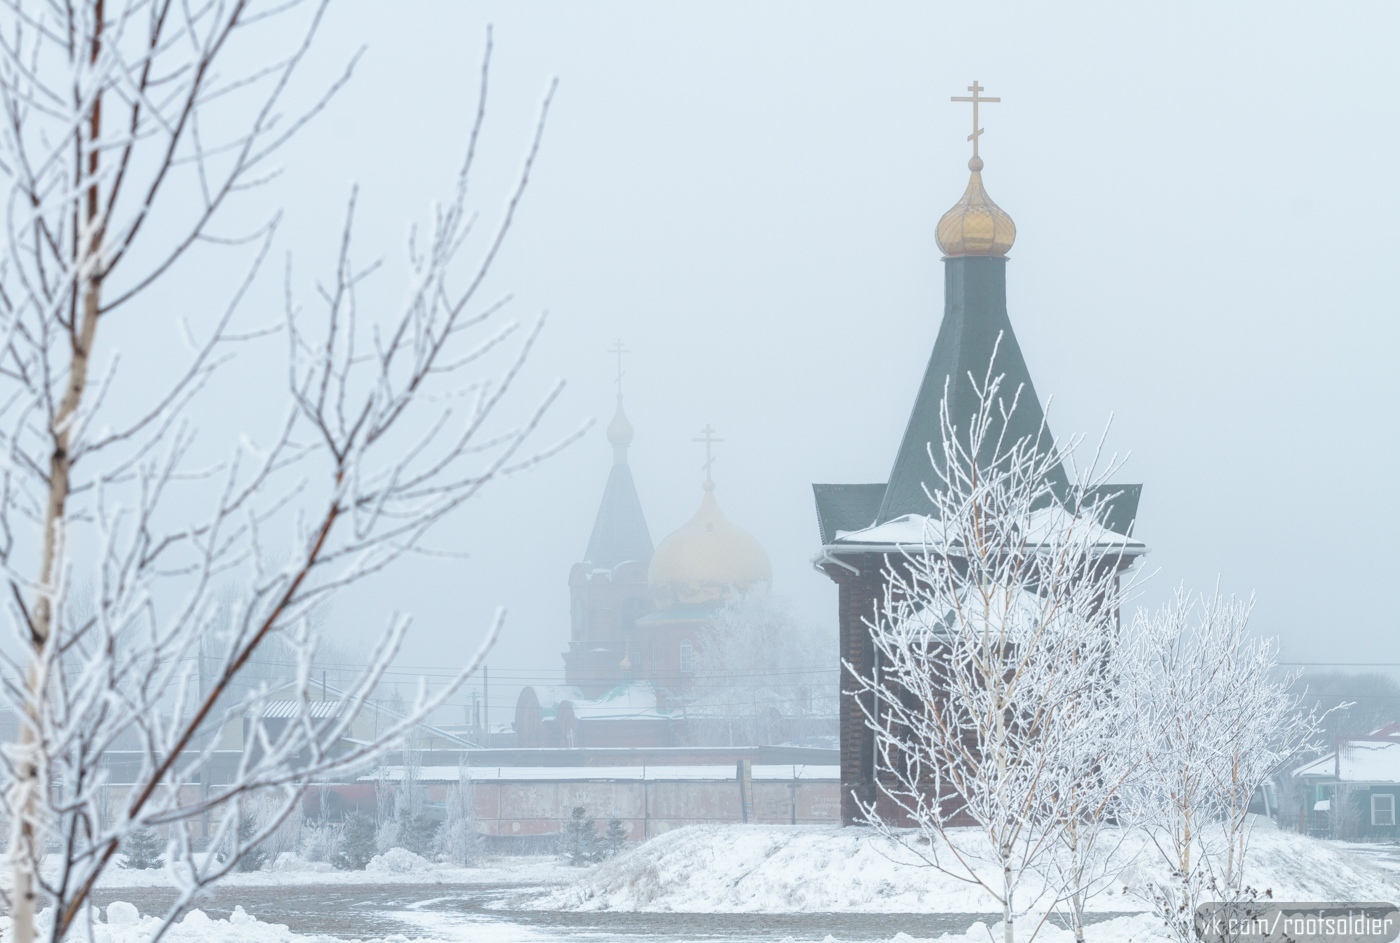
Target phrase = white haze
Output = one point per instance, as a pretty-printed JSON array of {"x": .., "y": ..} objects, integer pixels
[{"x": 745, "y": 194}]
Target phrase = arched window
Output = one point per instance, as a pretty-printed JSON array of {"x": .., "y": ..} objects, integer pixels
[{"x": 687, "y": 657}]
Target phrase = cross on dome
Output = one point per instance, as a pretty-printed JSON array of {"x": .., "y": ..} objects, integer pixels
[
  {"x": 619, "y": 350},
  {"x": 976, "y": 99},
  {"x": 707, "y": 436},
  {"x": 975, "y": 225}
]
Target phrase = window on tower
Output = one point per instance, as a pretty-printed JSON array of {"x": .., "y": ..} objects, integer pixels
[{"x": 687, "y": 657}]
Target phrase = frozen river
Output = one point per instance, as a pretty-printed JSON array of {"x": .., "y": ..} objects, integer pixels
[{"x": 465, "y": 912}]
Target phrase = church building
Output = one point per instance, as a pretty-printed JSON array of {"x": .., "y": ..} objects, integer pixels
[
  {"x": 639, "y": 616},
  {"x": 867, "y": 529}
]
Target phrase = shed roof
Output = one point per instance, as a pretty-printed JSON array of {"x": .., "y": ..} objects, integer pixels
[
  {"x": 1361, "y": 760},
  {"x": 287, "y": 709}
]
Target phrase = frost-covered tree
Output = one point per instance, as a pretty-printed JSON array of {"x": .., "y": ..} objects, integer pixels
[
  {"x": 357, "y": 842},
  {"x": 318, "y": 841},
  {"x": 133, "y": 128},
  {"x": 403, "y": 819},
  {"x": 580, "y": 838},
  {"x": 615, "y": 838},
  {"x": 317, "y": 837},
  {"x": 992, "y": 641},
  {"x": 758, "y": 671},
  {"x": 251, "y": 856},
  {"x": 416, "y": 829},
  {"x": 142, "y": 849},
  {"x": 458, "y": 840},
  {"x": 1091, "y": 759},
  {"x": 1212, "y": 717}
]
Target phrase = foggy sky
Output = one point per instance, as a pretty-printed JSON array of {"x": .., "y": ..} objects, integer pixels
[{"x": 1205, "y": 198}]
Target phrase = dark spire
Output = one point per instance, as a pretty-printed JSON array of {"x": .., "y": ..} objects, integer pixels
[
  {"x": 974, "y": 316},
  {"x": 620, "y": 530}
]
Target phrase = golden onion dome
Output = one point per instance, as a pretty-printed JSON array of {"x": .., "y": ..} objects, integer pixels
[
  {"x": 707, "y": 560},
  {"x": 975, "y": 225}
]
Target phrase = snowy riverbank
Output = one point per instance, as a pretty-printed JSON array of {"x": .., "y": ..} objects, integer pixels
[{"x": 780, "y": 869}]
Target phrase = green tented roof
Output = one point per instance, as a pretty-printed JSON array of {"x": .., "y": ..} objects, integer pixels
[
  {"x": 846, "y": 507},
  {"x": 974, "y": 318},
  {"x": 975, "y": 325},
  {"x": 1122, "y": 506},
  {"x": 620, "y": 530}
]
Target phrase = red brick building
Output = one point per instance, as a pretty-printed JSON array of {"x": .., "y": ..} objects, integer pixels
[{"x": 638, "y": 617}]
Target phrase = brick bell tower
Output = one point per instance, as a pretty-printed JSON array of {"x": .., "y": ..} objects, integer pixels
[
  {"x": 608, "y": 590},
  {"x": 975, "y": 236}
]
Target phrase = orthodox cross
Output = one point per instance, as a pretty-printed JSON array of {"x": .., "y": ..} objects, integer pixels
[
  {"x": 709, "y": 438},
  {"x": 619, "y": 350},
  {"x": 976, "y": 99}
]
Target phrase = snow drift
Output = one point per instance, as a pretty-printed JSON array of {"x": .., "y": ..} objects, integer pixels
[{"x": 776, "y": 868}]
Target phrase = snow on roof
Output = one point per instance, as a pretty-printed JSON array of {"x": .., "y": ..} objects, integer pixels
[
  {"x": 1022, "y": 610},
  {"x": 636, "y": 699},
  {"x": 449, "y": 774},
  {"x": 920, "y": 530},
  {"x": 1358, "y": 761},
  {"x": 285, "y": 710}
]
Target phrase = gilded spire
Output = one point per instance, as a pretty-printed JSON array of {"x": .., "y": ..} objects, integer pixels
[{"x": 975, "y": 225}]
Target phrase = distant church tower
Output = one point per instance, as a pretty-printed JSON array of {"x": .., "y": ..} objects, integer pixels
[
  {"x": 857, "y": 549},
  {"x": 639, "y": 618},
  {"x": 608, "y": 590}
]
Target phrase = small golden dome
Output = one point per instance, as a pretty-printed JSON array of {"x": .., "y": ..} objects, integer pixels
[
  {"x": 975, "y": 225},
  {"x": 707, "y": 560}
]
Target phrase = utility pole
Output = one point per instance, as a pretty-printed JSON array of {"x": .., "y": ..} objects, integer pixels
[{"x": 486, "y": 701}]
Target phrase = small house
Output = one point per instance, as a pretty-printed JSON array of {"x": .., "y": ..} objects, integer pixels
[{"x": 1354, "y": 788}]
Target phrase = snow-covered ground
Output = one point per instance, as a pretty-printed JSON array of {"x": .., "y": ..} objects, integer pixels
[
  {"x": 121, "y": 923},
  {"x": 780, "y": 869},
  {"x": 712, "y": 883},
  {"x": 395, "y": 867}
]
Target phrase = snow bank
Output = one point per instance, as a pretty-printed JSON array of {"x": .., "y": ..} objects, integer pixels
[
  {"x": 125, "y": 925},
  {"x": 289, "y": 870},
  {"x": 399, "y": 861},
  {"x": 1140, "y": 929},
  {"x": 777, "y": 868}
]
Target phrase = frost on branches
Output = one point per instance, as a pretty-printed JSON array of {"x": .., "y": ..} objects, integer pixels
[
  {"x": 1017, "y": 724},
  {"x": 131, "y": 128},
  {"x": 1211, "y": 717},
  {"x": 992, "y": 644},
  {"x": 760, "y": 676}
]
